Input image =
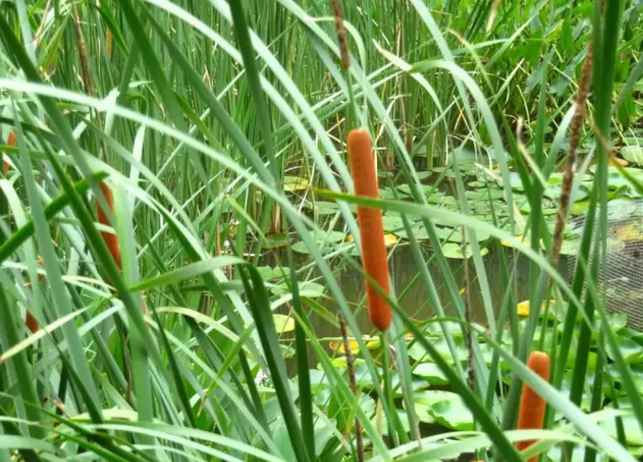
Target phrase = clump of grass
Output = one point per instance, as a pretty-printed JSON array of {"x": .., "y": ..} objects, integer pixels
[{"x": 360, "y": 152}]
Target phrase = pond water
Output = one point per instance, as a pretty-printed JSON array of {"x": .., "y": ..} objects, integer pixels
[{"x": 412, "y": 292}]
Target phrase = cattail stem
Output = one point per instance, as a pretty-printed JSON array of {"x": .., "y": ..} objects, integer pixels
[
  {"x": 350, "y": 364},
  {"x": 371, "y": 229},
  {"x": 341, "y": 33},
  {"x": 345, "y": 62},
  {"x": 574, "y": 138},
  {"x": 532, "y": 406}
]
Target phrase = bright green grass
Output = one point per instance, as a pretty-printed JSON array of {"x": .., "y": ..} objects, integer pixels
[{"x": 221, "y": 129}]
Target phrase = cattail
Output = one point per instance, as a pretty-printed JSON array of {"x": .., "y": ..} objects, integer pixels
[
  {"x": 109, "y": 39},
  {"x": 32, "y": 323},
  {"x": 360, "y": 152},
  {"x": 11, "y": 141},
  {"x": 532, "y": 406},
  {"x": 110, "y": 239}
]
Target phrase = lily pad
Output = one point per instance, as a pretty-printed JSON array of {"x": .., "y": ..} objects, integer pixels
[
  {"x": 485, "y": 195},
  {"x": 553, "y": 192},
  {"x": 418, "y": 384},
  {"x": 633, "y": 154},
  {"x": 268, "y": 273},
  {"x": 275, "y": 241},
  {"x": 455, "y": 235},
  {"x": 431, "y": 373},
  {"x": 338, "y": 346},
  {"x": 418, "y": 353},
  {"x": 556, "y": 455},
  {"x": 446, "y": 408},
  {"x": 633, "y": 434},
  {"x": 389, "y": 239},
  {"x": 283, "y": 323},
  {"x": 325, "y": 240},
  {"x": 330, "y": 208},
  {"x": 454, "y": 251},
  {"x": 392, "y": 223},
  {"x": 514, "y": 181},
  {"x": 295, "y": 183},
  {"x": 306, "y": 289},
  {"x": 632, "y": 352},
  {"x": 523, "y": 308},
  {"x": 379, "y": 421}
]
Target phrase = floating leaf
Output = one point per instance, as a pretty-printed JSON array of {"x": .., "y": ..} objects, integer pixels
[
  {"x": 386, "y": 193},
  {"x": 631, "y": 426},
  {"x": 392, "y": 223},
  {"x": 283, "y": 323},
  {"x": 514, "y": 181},
  {"x": 338, "y": 345},
  {"x": 485, "y": 195},
  {"x": 326, "y": 241},
  {"x": 580, "y": 208},
  {"x": 329, "y": 208},
  {"x": 633, "y": 154},
  {"x": 446, "y": 408},
  {"x": 325, "y": 208},
  {"x": 268, "y": 273},
  {"x": 452, "y": 250},
  {"x": 389, "y": 239},
  {"x": 306, "y": 289},
  {"x": 431, "y": 373},
  {"x": 455, "y": 235},
  {"x": 275, "y": 241},
  {"x": 418, "y": 353},
  {"x": 553, "y": 192},
  {"x": 417, "y": 384},
  {"x": 617, "y": 161},
  {"x": 523, "y": 307},
  {"x": 383, "y": 426},
  {"x": 526, "y": 240},
  {"x": 630, "y": 350},
  {"x": 556, "y": 455},
  {"x": 295, "y": 183}
]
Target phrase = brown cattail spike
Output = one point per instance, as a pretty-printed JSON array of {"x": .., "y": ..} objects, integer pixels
[
  {"x": 32, "y": 323},
  {"x": 532, "y": 406},
  {"x": 109, "y": 38},
  {"x": 11, "y": 141},
  {"x": 110, "y": 238},
  {"x": 371, "y": 229}
]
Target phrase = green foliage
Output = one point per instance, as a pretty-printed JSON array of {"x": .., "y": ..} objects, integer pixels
[{"x": 220, "y": 127}]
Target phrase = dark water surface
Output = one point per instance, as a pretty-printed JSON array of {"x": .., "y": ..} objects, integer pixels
[{"x": 412, "y": 292}]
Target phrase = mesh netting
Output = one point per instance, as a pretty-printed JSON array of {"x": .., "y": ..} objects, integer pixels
[{"x": 620, "y": 277}]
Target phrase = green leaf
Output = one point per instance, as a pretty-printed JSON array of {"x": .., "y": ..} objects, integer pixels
[{"x": 454, "y": 251}]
